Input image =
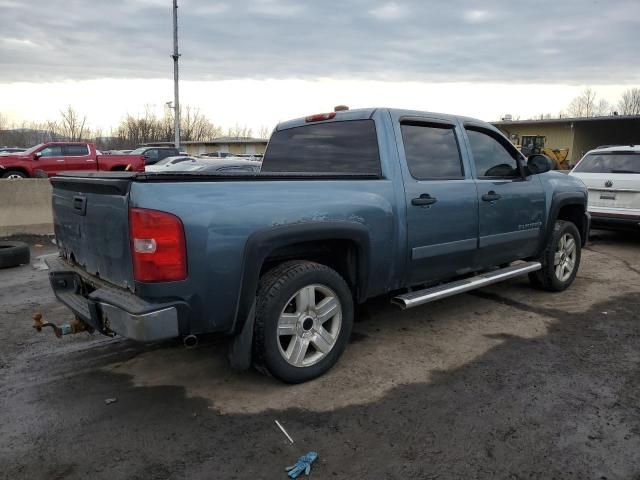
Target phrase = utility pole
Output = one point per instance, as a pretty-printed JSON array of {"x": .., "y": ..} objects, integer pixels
[{"x": 176, "y": 96}]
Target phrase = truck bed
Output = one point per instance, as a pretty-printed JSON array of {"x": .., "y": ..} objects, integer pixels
[{"x": 210, "y": 208}]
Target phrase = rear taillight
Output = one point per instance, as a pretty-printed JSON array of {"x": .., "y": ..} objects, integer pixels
[{"x": 157, "y": 246}]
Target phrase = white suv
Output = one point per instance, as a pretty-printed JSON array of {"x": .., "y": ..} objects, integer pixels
[{"x": 612, "y": 176}]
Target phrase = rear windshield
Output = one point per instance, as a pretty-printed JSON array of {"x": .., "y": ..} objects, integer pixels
[
  {"x": 610, "y": 162},
  {"x": 333, "y": 147}
]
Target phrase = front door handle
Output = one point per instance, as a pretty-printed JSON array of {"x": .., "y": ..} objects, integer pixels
[
  {"x": 424, "y": 199},
  {"x": 491, "y": 196}
]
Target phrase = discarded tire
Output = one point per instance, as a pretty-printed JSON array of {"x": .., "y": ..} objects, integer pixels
[{"x": 13, "y": 254}]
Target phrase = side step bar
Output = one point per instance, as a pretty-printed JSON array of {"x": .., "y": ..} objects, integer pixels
[{"x": 420, "y": 297}]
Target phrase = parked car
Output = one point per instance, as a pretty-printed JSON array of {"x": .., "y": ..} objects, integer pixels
[
  {"x": 250, "y": 156},
  {"x": 9, "y": 150},
  {"x": 153, "y": 155},
  {"x": 217, "y": 154},
  {"x": 207, "y": 166},
  {"x": 169, "y": 162},
  {"x": 612, "y": 177},
  {"x": 349, "y": 205},
  {"x": 228, "y": 165},
  {"x": 48, "y": 159}
]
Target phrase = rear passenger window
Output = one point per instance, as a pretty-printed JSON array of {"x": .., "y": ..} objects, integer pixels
[
  {"x": 492, "y": 159},
  {"x": 75, "y": 150},
  {"x": 431, "y": 151},
  {"x": 333, "y": 147}
]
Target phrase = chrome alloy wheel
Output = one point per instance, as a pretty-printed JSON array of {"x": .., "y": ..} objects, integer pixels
[
  {"x": 14, "y": 176},
  {"x": 309, "y": 325},
  {"x": 564, "y": 260}
]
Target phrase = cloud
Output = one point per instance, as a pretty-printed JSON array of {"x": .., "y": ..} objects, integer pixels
[
  {"x": 18, "y": 42},
  {"x": 275, "y": 8},
  {"x": 389, "y": 11},
  {"x": 344, "y": 39},
  {"x": 476, "y": 16}
]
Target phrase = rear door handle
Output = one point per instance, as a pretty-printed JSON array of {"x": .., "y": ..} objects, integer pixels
[
  {"x": 424, "y": 199},
  {"x": 491, "y": 196}
]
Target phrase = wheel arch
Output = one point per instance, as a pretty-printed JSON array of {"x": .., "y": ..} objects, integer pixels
[
  {"x": 304, "y": 241},
  {"x": 15, "y": 169},
  {"x": 571, "y": 207}
]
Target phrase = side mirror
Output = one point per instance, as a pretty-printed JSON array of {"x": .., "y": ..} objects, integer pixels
[
  {"x": 37, "y": 155},
  {"x": 538, "y": 163}
]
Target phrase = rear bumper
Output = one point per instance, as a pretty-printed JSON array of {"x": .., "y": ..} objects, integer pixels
[
  {"x": 615, "y": 220},
  {"x": 113, "y": 310}
]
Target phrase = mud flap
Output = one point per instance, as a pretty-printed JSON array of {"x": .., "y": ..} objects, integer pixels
[{"x": 241, "y": 346}]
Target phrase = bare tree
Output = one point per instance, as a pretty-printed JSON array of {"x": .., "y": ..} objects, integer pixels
[
  {"x": 238, "y": 131},
  {"x": 195, "y": 126},
  {"x": 602, "y": 108},
  {"x": 629, "y": 103},
  {"x": 149, "y": 127},
  {"x": 264, "y": 132},
  {"x": 584, "y": 105},
  {"x": 131, "y": 131},
  {"x": 71, "y": 125},
  {"x": 26, "y": 134}
]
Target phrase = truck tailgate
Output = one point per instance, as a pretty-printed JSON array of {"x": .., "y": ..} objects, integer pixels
[{"x": 91, "y": 222}]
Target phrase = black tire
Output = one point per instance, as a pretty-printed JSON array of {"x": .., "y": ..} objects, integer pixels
[
  {"x": 275, "y": 293},
  {"x": 546, "y": 278},
  {"x": 13, "y": 254},
  {"x": 14, "y": 174}
]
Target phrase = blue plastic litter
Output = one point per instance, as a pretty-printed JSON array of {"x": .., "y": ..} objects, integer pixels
[{"x": 302, "y": 465}]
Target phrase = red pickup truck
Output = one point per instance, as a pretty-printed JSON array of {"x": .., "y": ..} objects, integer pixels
[{"x": 55, "y": 157}]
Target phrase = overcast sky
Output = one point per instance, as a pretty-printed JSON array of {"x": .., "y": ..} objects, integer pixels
[{"x": 54, "y": 52}]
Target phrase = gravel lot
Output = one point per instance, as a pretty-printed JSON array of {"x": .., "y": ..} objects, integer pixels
[{"x": 505, "y": 382}]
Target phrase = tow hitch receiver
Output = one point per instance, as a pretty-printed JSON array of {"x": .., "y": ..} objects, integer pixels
[{"x": 74, "y": 326}]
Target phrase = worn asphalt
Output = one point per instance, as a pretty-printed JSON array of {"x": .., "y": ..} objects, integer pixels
[{"x": 505, "y": 382}]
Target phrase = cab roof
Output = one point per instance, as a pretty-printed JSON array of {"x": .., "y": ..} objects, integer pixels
[{"x": 366, "y": 113}]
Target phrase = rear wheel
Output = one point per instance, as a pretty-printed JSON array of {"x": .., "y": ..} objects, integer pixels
[
  {"x": 14, "y": 174},
  {"x": 560, "y": 260},
  {"x": 304, "y": 315}
]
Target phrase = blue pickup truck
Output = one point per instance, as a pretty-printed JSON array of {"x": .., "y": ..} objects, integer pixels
[{"x": 349, "y": 205}]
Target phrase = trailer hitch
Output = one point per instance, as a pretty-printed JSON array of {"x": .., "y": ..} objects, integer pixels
[{"x": 74, "y": 326}]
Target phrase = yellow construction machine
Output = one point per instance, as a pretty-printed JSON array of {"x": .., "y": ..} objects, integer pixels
[{"x": 532, "y": 144}]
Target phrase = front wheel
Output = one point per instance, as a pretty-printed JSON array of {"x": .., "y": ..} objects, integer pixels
[
  {"x": 304, "y": 315},
  {"x": 560, "y": 260},
  {"x": 13, "y": 174}
]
